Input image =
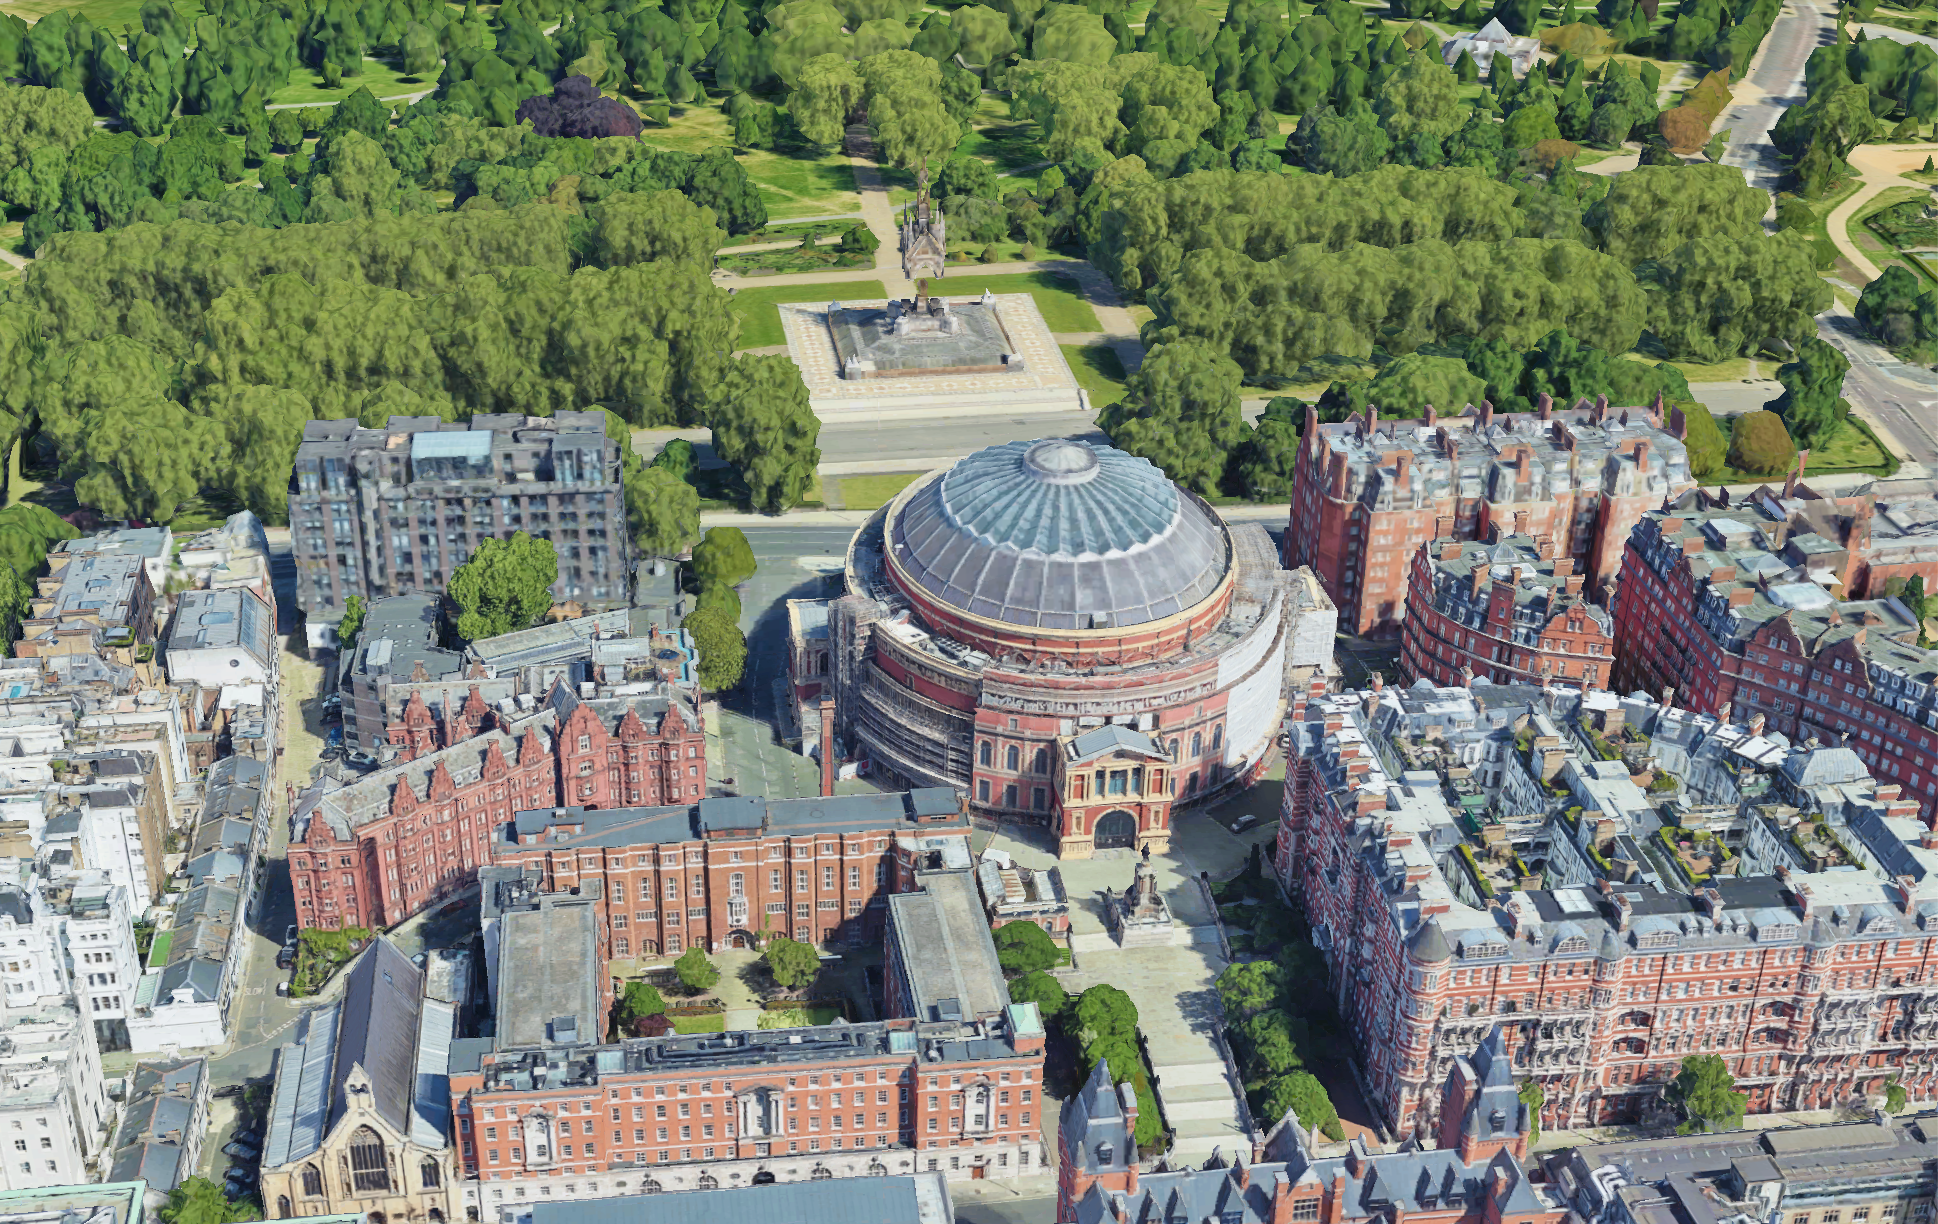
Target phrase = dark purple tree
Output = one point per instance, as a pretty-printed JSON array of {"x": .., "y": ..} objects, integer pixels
[{"x": 576, "y": 108}]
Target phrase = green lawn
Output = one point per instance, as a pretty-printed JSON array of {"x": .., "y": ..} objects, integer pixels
[
  {"x": 1058, "y": 297},
  {"x": 1851, "y": 449},
  {"x": 871, "y": 491},
  {"x": 799, "y": 1017},
  {"x": 715, "y": 1023},
  {"x": 158, "y": 951},
  {"x": 386, "y": 82},
  {"x": 1099, "y": 372},
  {"x": 111, "y": 14},
  {"x": 760, "y": 323},
  {"x": 793, "y": 259},
  {"x": 795, "y": 182}
]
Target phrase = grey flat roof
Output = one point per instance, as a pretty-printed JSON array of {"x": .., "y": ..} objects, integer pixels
[
  {"x": 777, "y": 817},
  {"x": 917, "y": 1199},
  {"x": 547, "y": 956},
  {"x": 944, "y": 946}
]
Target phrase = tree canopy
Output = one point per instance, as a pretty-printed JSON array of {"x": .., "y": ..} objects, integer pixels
[
  {"x": 1023, "y": 947},
  {"x": 1704, "y": 1092},
  {"x": 695, "y": 971},
  {"x": 505, "y": 586}
]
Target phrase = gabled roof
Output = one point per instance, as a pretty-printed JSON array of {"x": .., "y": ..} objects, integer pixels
[{"x": 1113, "y": 738}]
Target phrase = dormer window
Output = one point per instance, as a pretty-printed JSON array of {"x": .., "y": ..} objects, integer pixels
[{"x": 1105, "y": 1153}]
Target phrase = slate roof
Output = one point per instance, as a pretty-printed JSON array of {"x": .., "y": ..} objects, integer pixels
[
  {"x": 890, "y": 812},
  {"x": 156, "y": 1120},
  {"x": 1112, "y": 738},
  {"x": 916, "y": 1199}
]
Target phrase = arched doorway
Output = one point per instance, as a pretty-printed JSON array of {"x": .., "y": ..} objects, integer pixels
[
  {"x": 764, "y": 1178},
  {"x": 739, "y": 939},
  {"x": 1116, "y": 828}
]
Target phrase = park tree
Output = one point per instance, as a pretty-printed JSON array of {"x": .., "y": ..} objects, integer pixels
[
  {"x": 505, "y": 586},
  {"x": 1533, "y": 1097},
  {"x": 662, "y": 511},
  {"x": 200, "y": 1201},
  {"x": 575, "y": 107},
  {"x": 1652, "y": 210},
  {"x": 1895, "y": 1097},
  {"x": 1898, "y": 311},
  {"x": 1181, "y": 411},
  {"x": 793, "y": 965},
  {"x": 352, "y": 622},
  {"x": 825, "y": 90},
  {"x": 1340, "y": 144},
  {"x": 1269, "y": 460},
  {"x": 1704, "y": 1092},
  {"x": 1024, "y": 947},
  {"x": 1411, "y": 382},
  {"x": 28, "y": 533},
  {"x": 723, "y": 558},
  {"x": 1812, "y": 404},
  {"x": 1727, "y": 293},
  {"x": 644, "y": 227},
  {"x": 695, "y": 971},
  {"x": 1759, "y": 444},
  {"x": 910, "y": 123},
  {"x": 762, "y": 425},
  {"x": 1422, "y": 97},
  {"x": 1074, "y": 34},
  {"x": 1252, "y": 989},
  {"x": 1300, "y": 1093},
  {"x": 983, "y": 34},
  {"x": 721, "y": 646},
  {"x": 1705, "y": 442},
  {"x": 1075, "y": 106},
  {"x": 104, "y": 404},
  {"x": 721, "y": 183},
  {"x": 32, "y": 117},
  {"x": 641, "y": 999},
  {"x": 1043, "y": 990}
]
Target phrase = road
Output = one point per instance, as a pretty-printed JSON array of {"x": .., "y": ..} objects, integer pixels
[
  {"x": 1893, "y": 396},
  {"x": 1775, "y": 84}
]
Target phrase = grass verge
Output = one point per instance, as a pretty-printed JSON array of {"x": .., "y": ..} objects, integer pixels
[
  {"x": 1062, "y": 303},
  {"x": 760, "y": 322},
  {"x": 798, "y": 1017},
  {"x": 1099, "y": 372},
  {"x": 872, "y": 490},
  {"x": 715, "y": 1023}
]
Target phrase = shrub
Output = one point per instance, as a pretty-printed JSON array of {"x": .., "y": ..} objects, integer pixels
[{"x": 1761, "y": 445}]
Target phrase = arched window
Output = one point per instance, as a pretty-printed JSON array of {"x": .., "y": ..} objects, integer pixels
[
  {"x": 649, "y": 1186},
  {"x": 984, "y": 754},
  {"x": 821, "y": 1173},
  {"x": 1174, "y": 748},
  {"x": 312, "y": 1181},
  {"x": 1197, "y": 743},
  {"x": 1042, "y": 762},
  {"x": 709, "y": 1182},
  {"x": 1218, "y": 737},
  {"x": 368, "y": 1169},
  {"x": 1013, "y": 759},
  {"x": 430, "y": 1175}
]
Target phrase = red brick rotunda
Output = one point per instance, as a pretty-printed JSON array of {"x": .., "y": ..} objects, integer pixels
[{"x": 1063, "y": 634}]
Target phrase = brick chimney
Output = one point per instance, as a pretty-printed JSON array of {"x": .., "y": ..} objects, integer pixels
[
  {"x": 1757, "y": 723},
  {"x": 1450, "y": 552},
  {"x": 827, "y": 746},
  {"x": 1486, "y": 414},
  {"x": 1796, "y": 473},
  {"x": 1403, "y": 463},
  {"x": 1130, "y": 1178},
  {"x": 1545, "y": 405},
  {"x": 1432, "y": 416},
  {"x": 1641, "y": 456}
]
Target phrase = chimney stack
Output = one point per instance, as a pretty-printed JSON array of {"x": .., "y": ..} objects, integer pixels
[
  {"x": 828, "y": 746},
  {"x": 1130, "y": 1178}
]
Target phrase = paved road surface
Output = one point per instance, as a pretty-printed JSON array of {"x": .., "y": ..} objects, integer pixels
[{"x": 1775, "y": 83}]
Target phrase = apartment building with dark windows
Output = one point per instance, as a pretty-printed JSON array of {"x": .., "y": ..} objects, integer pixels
[{"x": 376, "y": 512}]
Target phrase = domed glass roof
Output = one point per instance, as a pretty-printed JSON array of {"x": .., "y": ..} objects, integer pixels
[{"x": 1059, "y": 535}]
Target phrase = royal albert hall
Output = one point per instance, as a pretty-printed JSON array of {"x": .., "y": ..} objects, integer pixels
[{"x": 1066, "y": 636}]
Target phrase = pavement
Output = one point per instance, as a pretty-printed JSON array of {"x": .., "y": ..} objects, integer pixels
[{"x": 1173, "y": 987}]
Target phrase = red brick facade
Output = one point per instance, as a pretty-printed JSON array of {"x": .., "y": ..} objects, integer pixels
[
  {"x": 885, "y": 1093},
  {"x": 382, "y": 848},
  {"x": 1802, "y": 673},
  {"x": 663, "y": 890},
  {"x": 1548, "y": 633},
  {"x": 1367, "y": 493}
]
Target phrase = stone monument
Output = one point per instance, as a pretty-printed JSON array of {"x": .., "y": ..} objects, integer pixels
[{"x": 1139, "y": 916}]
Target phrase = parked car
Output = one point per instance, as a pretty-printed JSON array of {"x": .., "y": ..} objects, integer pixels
[
  {"x": 362, "y": 760},
  {"x": 226, "y": 1091},
  {"x": 247, "y": 1136},
  {"x": 335, "y": 737},
  {"x": 289, "y": 935},
  {"x": 282, "y": 989},
  {"x": 240, "y": 1151},
  {"x": 286, "y": 957},
  {"x": 1243, "y": 823}
]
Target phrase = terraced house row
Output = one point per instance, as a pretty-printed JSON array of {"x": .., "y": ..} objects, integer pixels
[{"x": 1714, "y": 889}]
